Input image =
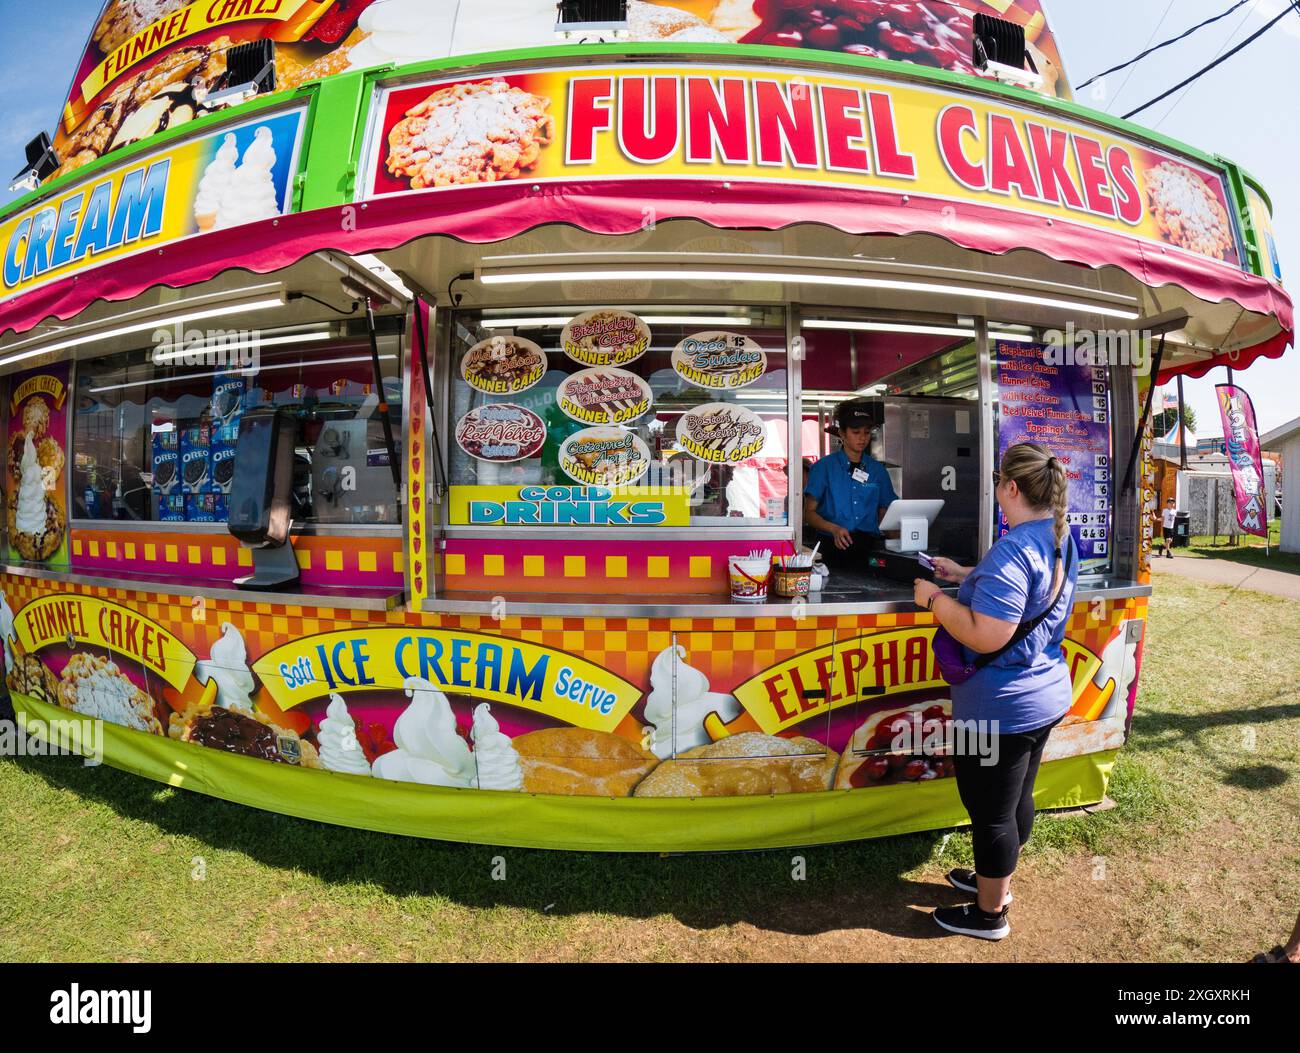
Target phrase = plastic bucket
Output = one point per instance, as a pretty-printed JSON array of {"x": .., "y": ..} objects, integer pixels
[
  {"x": 791, "y": 582},
  {"x": 749, "y": 578}
]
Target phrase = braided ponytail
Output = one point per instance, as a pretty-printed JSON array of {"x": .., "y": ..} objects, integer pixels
[
  {"x": 1042, "y": 479},
  {"x": 1060, "y": 490}
]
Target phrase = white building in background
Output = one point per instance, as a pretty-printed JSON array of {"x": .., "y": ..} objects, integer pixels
[{"x": 1285, "y": 440}]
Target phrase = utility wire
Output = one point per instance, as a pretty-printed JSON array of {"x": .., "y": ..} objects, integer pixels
[
  {"x": 1222, "y": 48},
  {"x": 1124, "y": 83},
  {"x": 1291, "y": 7},
  {"x": 1163, "y": 44}
]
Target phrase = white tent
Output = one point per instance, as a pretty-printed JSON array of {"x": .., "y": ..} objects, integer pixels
[{"x": 1285, "y": 440}]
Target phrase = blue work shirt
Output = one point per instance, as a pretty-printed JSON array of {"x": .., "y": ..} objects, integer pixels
[
  {"x": 845, "y": 502},
  {"x": 1028, "y": 686}
]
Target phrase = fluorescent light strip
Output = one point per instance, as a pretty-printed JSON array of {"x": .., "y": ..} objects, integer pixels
[
  {"x": 904, "y": 327},
  {"x": 665, "y": 319},
  {"x": 139, "y": 327},
  {"x": 795, "y": 278},
  {"x": 223, "y": 372}
]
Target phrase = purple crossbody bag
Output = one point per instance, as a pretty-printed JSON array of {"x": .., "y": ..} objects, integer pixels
[{"x": 951, "y": 656}]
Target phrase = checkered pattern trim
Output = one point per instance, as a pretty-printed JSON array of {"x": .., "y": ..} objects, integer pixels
[{"x": 327, "y": 560}]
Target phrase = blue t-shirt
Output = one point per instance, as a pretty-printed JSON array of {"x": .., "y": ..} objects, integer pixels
[
  {"x": 1028, "y": 686},
  {"x": 843, "y": 500}
]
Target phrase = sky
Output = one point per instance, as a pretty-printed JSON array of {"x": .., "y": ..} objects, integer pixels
[{"x": 1246, "y": 110}]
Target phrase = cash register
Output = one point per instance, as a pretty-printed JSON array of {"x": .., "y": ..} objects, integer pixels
[{"x": 904, "y": 558}]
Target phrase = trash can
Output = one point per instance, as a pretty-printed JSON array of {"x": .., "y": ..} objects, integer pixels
[{"x": 1182, "y": 529}]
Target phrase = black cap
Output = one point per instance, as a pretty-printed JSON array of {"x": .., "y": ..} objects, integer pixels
[{"x": 856, "y": 415}]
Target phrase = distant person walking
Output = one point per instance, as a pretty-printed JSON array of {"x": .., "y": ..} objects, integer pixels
[{"x": 1169, "y": 523}]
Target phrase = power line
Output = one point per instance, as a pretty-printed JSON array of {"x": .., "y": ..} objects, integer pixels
[
  {"x": 1222, "y": 48},
  {"x": 1293, "y": 6},
  {"x": 1124, "y": 83},
  {"x": 1163, "y": 44}
]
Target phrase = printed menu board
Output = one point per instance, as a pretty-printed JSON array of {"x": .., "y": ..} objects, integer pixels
[{"x": 1050, "y": 396}]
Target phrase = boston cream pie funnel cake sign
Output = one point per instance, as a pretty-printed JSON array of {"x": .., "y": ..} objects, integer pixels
[
  {"x": 605, "y": 338},
  {"x": 503, "y": 365},
  {"x": 721, "y": 433},
  {"x": 604, "y": 456},
  {"x": 719, "y": 360},
  {"x": 604, "y": 395}
]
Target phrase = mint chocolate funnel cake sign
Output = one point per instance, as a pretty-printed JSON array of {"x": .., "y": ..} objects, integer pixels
[
  {"x": 604, "y": 395},
  {"x": 719, "y": 361},
  {"x": 721, "y": 433},
  {"x": 501, "y": 433}
]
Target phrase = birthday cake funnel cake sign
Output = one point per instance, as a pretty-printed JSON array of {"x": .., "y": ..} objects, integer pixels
[{"x": 605, "y": 338}]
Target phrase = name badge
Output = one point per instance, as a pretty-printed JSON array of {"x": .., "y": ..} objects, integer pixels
[{"x": 859, "y": 476}]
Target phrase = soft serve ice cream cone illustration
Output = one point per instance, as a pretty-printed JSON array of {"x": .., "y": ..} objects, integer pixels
[
  {"x": 250, "y": 194},
  {"x": 212, "y": 187},
  {"x": 495, "y": 757},
  {"x": 227, "y": 665},
  {"x": 694, "y": 703},
  {"x": 337, "y": 739},
  {"x": 429, "y": 750}
]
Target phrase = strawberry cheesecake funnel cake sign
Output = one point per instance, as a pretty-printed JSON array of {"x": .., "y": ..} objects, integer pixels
[
  {"x": 805, "y": 128},
  {"x": 721, "y": 433},
  {"x": 604, "y": 395}
]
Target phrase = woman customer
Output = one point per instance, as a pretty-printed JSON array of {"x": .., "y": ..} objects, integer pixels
[{"x": 1009, "y": 618}]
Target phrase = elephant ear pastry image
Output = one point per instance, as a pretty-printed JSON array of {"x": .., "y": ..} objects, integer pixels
[
  {"x": 868, "y": 760},
  {"x": 577, "y": 761},
  {"x": 743, "y": 765},
  {"x": 1075, "y": 736}
]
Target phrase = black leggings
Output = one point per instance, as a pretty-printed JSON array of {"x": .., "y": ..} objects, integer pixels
[{"x": 1000, "y": 799}]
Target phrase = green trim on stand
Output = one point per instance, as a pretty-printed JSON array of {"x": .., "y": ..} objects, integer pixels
[{"x": 592, "y": 824}]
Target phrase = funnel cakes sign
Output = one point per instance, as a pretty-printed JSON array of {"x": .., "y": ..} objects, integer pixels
[{"x": 800, "y": 127}]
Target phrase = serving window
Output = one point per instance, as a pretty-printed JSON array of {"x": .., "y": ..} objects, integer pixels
[
  {"x": 670, "y": 417},
  {"x": 154, "y": 430}
]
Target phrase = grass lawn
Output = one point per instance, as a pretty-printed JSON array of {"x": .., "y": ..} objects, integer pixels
[
  {"x": 1248, "y": 549},
  {"x": 1198, "y": 861}
]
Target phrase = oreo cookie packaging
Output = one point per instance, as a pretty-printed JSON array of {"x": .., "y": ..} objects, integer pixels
[
  {"x": 166, "y": 462},
  {"x": 201, "y": 508},
  {"x": 224, "y": 439},
  {"x": 171, "y": 508},
  {"x": 227, "y": 400},
  {"x": 196, "y": 458}
]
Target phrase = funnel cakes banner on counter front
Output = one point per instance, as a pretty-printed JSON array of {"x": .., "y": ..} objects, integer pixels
[
  {"x": 811, "y": 128},
  {"x": 238, "y": 174}
]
